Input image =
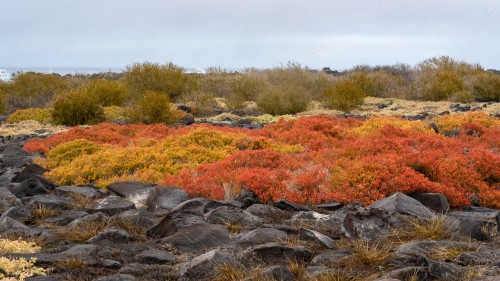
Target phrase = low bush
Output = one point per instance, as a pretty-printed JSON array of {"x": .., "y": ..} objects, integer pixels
[
  {"x": 77, "y": 107},
  {"x": 343, "y": 95},
  {"x": 148, "y": 160},
  {"x": 449, "y": 123},
  {"x": 42, "y": 115},
  {"x": 151, "y": 108},
  {"x": 306, "y": 160},
  {"x": 290, "y": 89},
  {"x": 244, "y": 87},
  {"x": 18, "y": 268},
  {"x": 33, "y": 90},
  {"x": 107, "y": 93},
  {"x": 168, "y": 79},
  {"x": 486, "y": 87}
]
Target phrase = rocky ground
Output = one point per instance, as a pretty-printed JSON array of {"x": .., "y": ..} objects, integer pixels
[{"x": 135, "y": 231}]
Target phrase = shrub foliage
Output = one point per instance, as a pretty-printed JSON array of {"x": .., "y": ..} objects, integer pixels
[{"x": 307, "y": 160}]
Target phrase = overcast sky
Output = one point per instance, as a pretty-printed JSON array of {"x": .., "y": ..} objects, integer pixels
[{"x": 246, "y": 33}]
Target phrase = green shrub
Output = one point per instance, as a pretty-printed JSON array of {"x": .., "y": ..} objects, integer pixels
[
  {"x": 290, "y": 89},
  {"x": 3, "y": 93},
  {"x": 441, "y": 78},
  {"x": 486, "y": 87},
  {"x": 108, "y": 92},
  {"x": 284, "y": 99},
  {"x": 343, "y": 95},
  {"x": 77, "y": 107},
  {"x": 244, "y": 87},
  {"x": 168, "y": 79},
  {"x": 113, "y": 113},
  {"x": 30, "y": 89},
  {"x": 42, "y": 115},
  {"x": 151, "y": 108}
]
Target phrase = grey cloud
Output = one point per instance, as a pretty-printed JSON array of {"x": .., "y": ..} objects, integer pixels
[{"x": 246, "y": 33}]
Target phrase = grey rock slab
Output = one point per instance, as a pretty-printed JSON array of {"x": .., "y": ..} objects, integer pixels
[
  {"x": 112, "y": 235},
  {"x": 369, "y": 224},
  {"x": 276, "y": 253},
  {"x": 267, "y": 212},
  {"x": 339, "y": 215},
  {"x": 155, "y": 257},
  {"x": 134, "y": 191},
  {"x": 16, "y": 162},
  {"x": 113, "y": 205},
  {"x": 19, "y": 213},
  {"x": 7, "y": 223},
  {"x": 434, "y": 201},
  {"x": 9, "y": 197},
  {"x": 329, "y": 256},
  {"x": 29, "y": 170},
  {"x": 290, "y": 206},
  {"x": 309, "y": 216},
  {"x": 330, "y": 206},
  {"x": 280, "y": 272},
  {"x": 231, "y": 215},
  {"x": 12, "y": 151},
  {"x": 424, "y": 247},
  {"x": 86, "y": 220},
  {"x": 199, "y": 205},
  {"x": 117, "y": 277},
  {"x": 406, "y": 273},
  {"x": 478, "y": 258},
  {"x": 140, "y": 218},
  {"x": 65, "y": 217},
  {"x": 199, "y": 237},
  {"x": 112, "y": 264},
  {"x": 260, "y": 236},
  {"x": 49, "y": 201},
  {"x": 445, "y": 271},
  {"x": 165, "y": 198},
  {"x": 402, "y": 204},
  {"x": 312, "y": 235},
  {"x": 470, "y": 226},
  {"x": 205, "y": 265},
  {"x": 173, "y": 222},
  {"x": 33, "y": 186},
  {"x": 90, "y": 192}
]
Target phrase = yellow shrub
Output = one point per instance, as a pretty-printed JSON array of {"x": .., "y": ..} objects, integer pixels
[
  {"x": 77, "y": 107},
  {"x": 18, "y": 246},
  {"x": 244, "y": 87},
  {"x": 108, "y": 93},
  {"x": 486, "y": 87},
  {"x": 33, "y": 90},
  {"x": 113, "y": 113},
  {"x": 66, "y": 152},
  {"x": 448, "y": 123},
  {"x": 151, "y": 108},
  {"x": 148, "y": 160},
  {"x": 168, "y": 79},
  {"x": 376, "y": 123},
  {"x": 42, "y": 115},
  {"x": 18, "y": 268},
  {"x": 343, "y": 95}
]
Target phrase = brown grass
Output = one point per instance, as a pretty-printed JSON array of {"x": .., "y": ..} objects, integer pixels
[
  {"x": 41, "y": 212},
  {"x": 84, "y": 232},
  {"x": 130, "y": 226},
  {"x": 234, "y": 228},
  {"x": 230, "y": 272},
  {"x": 437, "y": 228},
  {"x": 366, "y": 257},
  {"x": 81, "y": 201}
]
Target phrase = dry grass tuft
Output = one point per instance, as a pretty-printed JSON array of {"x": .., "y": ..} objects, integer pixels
[
  {"x": 41, "y": 212},
  {"x": 81, "y": 201},
  {"x": 366, "y": 257},
  {"x": 450, "y": 253},
  {"x": 338, "y": 275},
  {"x": 298, "y": 269},
  {"x": 72, "y": 263},
  {"x": 230, "y": 272},
  {"x": 83, "y": 232},
  {"x": 437, "y": 228},
  {"x": 234, "y": 228},
  {"x": 130, "y": 226}
]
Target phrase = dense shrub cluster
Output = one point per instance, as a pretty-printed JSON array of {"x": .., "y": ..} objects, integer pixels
[
  {"x": 309, "y": 160},
  {"x": 77, "y": 107},
  {"x": 18, "y": 268},
  {"x": 42, "y": 115}
]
